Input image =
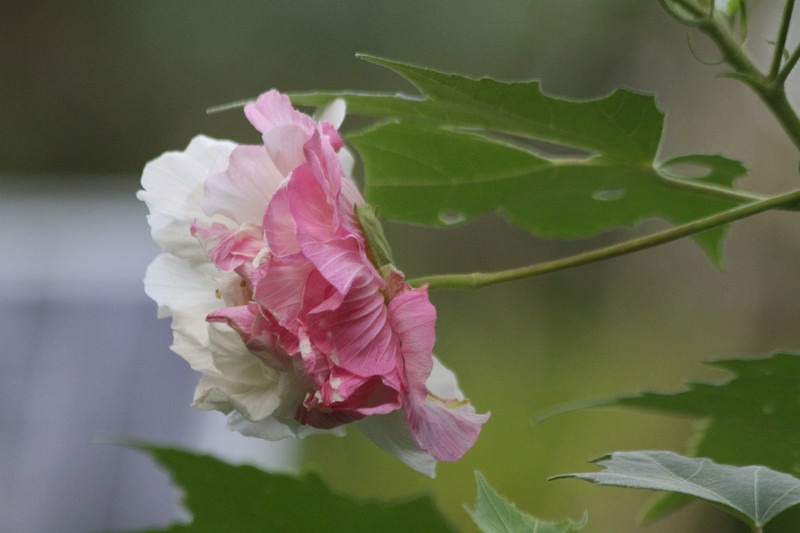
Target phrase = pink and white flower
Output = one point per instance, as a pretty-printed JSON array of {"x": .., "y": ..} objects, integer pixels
[{"x": 267, "y": 276}]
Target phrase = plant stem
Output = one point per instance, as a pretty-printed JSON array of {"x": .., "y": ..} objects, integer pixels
[
  {"x": 477, "y": 280},
  {"x": 787, "y": 68},
  {"x": 770, "y": 89},
  {"x": 780, "y": 42}
]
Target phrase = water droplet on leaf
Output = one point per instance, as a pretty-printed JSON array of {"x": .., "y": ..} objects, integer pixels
[
  {"x": 452, "y": 217},
  {"x": 608, "y": 195}
]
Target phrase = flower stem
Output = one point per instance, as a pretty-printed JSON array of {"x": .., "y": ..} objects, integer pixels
[{"x": 477, "y": 280}]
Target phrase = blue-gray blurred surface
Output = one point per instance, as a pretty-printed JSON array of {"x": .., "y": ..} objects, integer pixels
[{"x": 85, "y": 360}]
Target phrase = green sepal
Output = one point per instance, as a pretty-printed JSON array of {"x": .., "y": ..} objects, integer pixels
[{"x": 380, "y": 252}]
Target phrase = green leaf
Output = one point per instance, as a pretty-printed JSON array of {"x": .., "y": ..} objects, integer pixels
[
  {"x": 494, "y": 514},
  {"x": 756, "y": 493},
  {"x": 558, "y": 168},
  {"x": 224, "y": 497},
  {"x": 752, "y": 417}
]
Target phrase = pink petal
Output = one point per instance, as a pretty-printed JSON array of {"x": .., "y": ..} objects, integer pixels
[
  {"x": 284, "y": 129},
  {"x": 257, "y": 332},
  {"x": 273, "y": 109},
  {"x": 229, "y": 248},
  {"x": 336, "y": 250},
  {"x": 279, "y": 286},
  {"x": 413, "y": 318},
  {"x": 243, "y": 191},
  {"x": 279, "y": 226},
  {"x": 445, "y": 430},
  {"x": 356, "y": 336}
]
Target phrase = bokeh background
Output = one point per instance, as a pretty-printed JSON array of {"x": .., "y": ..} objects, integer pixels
[{"x": 91, "y": 90}]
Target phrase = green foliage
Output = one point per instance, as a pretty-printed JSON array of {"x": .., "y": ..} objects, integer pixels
[
  {"x": 494, "y": 514},
  {"x": 558, "y": 168},
  {"x": 224, "y": 497},
  {"x": 752, "y": 418},
  {"x": 754, "y": 493}
]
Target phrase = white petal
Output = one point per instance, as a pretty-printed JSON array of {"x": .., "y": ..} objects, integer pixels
[
  {"x": 390, "y": 432},
  {"x": 347, "y": 160},
  {"x": 173, "y": 187},
  {"x": 334, "y": 113},
  {"x": 178, "y": 287},
  {"x": 188, "y": 295},
  {"x": 442, "y": 382}
]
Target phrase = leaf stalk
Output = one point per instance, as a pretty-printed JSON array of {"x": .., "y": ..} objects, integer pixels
[{"x": 477, "y": 280}]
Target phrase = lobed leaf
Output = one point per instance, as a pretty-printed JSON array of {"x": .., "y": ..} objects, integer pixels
[
  {"x": 495, "y": 514},
  {"x": 756, "y": 493},
  {"x": 752, "y": 417},
  {"x": 558, "y": 168},
  {"x": 224, "y": 497}
]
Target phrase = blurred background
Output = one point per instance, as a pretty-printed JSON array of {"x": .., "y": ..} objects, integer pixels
[{"x": 92, "y": 90}]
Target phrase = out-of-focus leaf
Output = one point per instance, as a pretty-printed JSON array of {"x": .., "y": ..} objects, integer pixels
[
  {"x": 558, "y": 168},
  {"x": 495, "y": 514},
  {"x": 751, "y": 418},
  {"x": 234, "y": 499},
  {"x": 756, "y": 493}
]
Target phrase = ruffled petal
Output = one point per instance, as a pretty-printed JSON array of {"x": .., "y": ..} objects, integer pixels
[
  {"x": 245, "y": 188},
  {"x": 444, "y": 427},
  {"x": 178, "y": 287},
  {"x": 336, "y": 251},
  {"x": 355, "y": 336},
  {"x": 413, "y": 318},
  {"x": 279, "y": 286},
  {"x": 259, "y": 334},
  {"x": 242, "y": 382},
  {"x": 446, "y": 430},
  {"x": 284, "y": 130},
  {"x": 173, "y": 187},
  {"x": 229, "y": 248},
  {"x": 279, "y": 226}
]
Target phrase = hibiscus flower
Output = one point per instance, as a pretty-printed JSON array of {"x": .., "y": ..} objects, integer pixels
[{"x": 283, "y": 300}]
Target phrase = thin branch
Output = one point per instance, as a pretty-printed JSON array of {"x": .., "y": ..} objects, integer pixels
[
  {"x": 788, "y": 67},
  {"x": 780, "y": 42},
  {"x": 480, "y": 279}
]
